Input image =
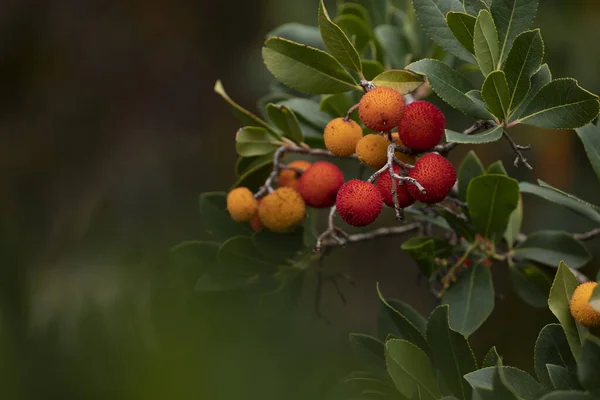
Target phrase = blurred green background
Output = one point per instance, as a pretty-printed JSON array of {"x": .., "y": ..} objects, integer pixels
[{"x": 109, "y": 131}]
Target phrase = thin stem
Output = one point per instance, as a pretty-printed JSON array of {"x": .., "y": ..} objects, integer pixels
[
  {"x": 350, "y": 111},
  {"x": 594, "y": 233},
  {"x": 359, "y": 237},
  {"x": 518, "y": 149}
]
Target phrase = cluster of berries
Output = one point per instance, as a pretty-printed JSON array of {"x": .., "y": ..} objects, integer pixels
[{"x": 420, "y": 127}]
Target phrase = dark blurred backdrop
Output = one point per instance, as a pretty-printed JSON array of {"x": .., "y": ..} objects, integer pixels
[{"x": 109, "y": 131}]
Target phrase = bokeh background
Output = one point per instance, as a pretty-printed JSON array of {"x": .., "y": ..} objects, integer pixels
[{"x": 109, "y": 131}]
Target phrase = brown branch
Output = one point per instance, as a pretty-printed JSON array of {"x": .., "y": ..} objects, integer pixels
[
  {"x": 594, "y": 233},
  {"x": 518, "y": 149},
  {"x": 359, "y": 237}
]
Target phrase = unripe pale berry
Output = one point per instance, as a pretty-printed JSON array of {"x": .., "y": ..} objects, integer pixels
[
  {"x": 581, "y": 310},
  {"x": 436, "y": 174},
  {"x": 406, "y": 158},
  {"x": 371, "y": 150},
  {"x": 381, "y": 109},
  {"x": 341, "y": 136},
  {"x": 241, "y": 204},
  {"x": 384, "y": 184},
  {"x": 358, "y": 202},
  {"x": 422, "y": 126},
  {"x": 289, "y": 177},
  {"x": 281, "y": 209},
  {"x": 320, "y": 183}
]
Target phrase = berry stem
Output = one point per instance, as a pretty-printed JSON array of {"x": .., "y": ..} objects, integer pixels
[
  {"x": 518, "y": 149},
  {"x": 350, "y": 111}
]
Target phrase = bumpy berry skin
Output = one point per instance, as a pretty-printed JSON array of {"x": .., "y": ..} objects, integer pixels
[
  {"x": 407, "y": 158},
  {"x": 371, "y": 150},
  {"x": 422, "y": 126},
  {"x": 381, "y": 109},
  {"x": 320, "y": 183},
  {"x": 241, "y": 204},
  {"x": 289, "y": 177},
  {"x": 359, "y": 203},
  {"x": 281, "y": 210},
  {"x": 341, "y": 136},
  {"x": 436, "y": 174},
  {"x": 581, "y": 310},
  {"x": 384, "y": 184}
]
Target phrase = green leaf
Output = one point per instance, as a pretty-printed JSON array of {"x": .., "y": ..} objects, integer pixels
[
  {"x": 531, "y": 284},
  {"x": 239, "y": 254},
  {"x": 512, "y": 17},
  {"x": 357, "y": 29},
  {"x": 461, "y": 227},
  {"x": 372, "y": 68},
  {"x": 453, "y": 356},
  {"x": 560, "y": 294},
  {"x": 308, "y": 111},
  {"x": 310, "y": 228},
  {"x": 488, "y": 136},
  {"x": 404, "y": 328},
  {"x": 551, "y": 347},
  {"x": 496, "y": 94},
  {"x": 568, "y": 395},
  {"x": 378, "y": 10},
  {"x": 462, "y": 26},
  {"x": 337, "y": 42},
  {"x": 411, "y": 370},
  {"x": 471, "y": 299},
  {"x": 279, "y": 247},
  {"x": 424, "y": 250},
  {"x": 357, "y": 10},
  {"x": 286, "y": 294},
  {"x": 299, "y": 33},
  {"x": 394, "y": 44},
  {"x": 245, "y": 164},
  {"x": 217, "y": 221},
  {"x": 432, "y": 16},
  {"x": 253, "y": 141},
  {"x": 595, "y": 298},
  {"x": 485, "y": 42},
  {"x": 243, "y": 115},
  {"x": 367, "y": 348},
  {"x": 561, "y": 378},
  {"x": 590, "y": 137},
  {"x": 285, "y": 119},
  {"x": 541, "y": 78},
  {"x": 470, "y": 167},
  {"x": 193, "y": 258},
  {"x": 561, "y": 104},
  {"x": 410, "y": 314},
  {"x": 491, "y": 200},
  {"x": 474, "y": 6},
  {"x": 402, "y": 81},
  {"x": 496, "y": 168},
  {"x": 306, "y": 69},
  {"x": 514, "y": 224},
  {"x": 524, "y": 59},
  {"x": 589, "y": 364},
  {"x": 253, "y": 171},
  {"x": 492, "y": 358},
  {"x": 561, "y": 198},
  {"x": 450, "y": 86},
  {"x": 336, "y": 105},
  {"x": 547, "y": 247},
  {"x": 523, "y": 384}
]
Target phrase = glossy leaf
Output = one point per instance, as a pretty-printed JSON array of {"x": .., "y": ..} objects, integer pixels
[
  {"x": 524, "y": 59},
  {"x": 299, "y": 33},
  {"x": 253, "y": 171},
  {"x": 474, "y": 6},
  {"x": 394, "y": 44},
  {"x": 496, "y": 168},
  {"x": 400, "y": 80},
  {"x": 491, "y": 135},
  {"x": 452, "y": 354},
  {"x": 285, "y": 119},
  {"x": 485, "y": 41},
  {"x": 562, "y": 378},
  {"x": 561, "y": 104},
  {"x": 424, "y": 250},
  {"x": 491, "y": 200},
  {"x": 432, "y": 16},
  {"x": 589, "y": 363},
  {"x": 547, "y": 247},
  {"x": 253, "y": 141},
  {"x": 531, "y": 284},
  {"x": 357, "y": 10},
  {"x": 590, "y": 137},
  {"x": 369, "y": 349},
  {"x": 378, "y": 10},
  {"x": 496, "y": 94},
  {"x": 541, "y": 78},
  {"x": 193, "y": 258},
  {"x": 551, "y": 347},
  {"x": 523, "y": 384},
  {"x": 470, "y": 167},
  {"x": 471, "y": 299},
  {"x": 410, "y": 314},
  {"x": 306, "y": 69},
  {"x": 358, "y": 30},
  {"x": 450, "y": 86},
  {"x": 337, "y": 42},
  {"x": 492, "y": 358},
  {"x": 308, "y": 111},
  {"x": 515, "y": 222},
  {"x": 372, "y": 68},
  {"x": 462, "y": 26},
  {"x": 217, "y": 221},
  {"x": 240, "y": 254},
  {"x": 512, "y": 17},
  {"x": 411, "y": 370}
]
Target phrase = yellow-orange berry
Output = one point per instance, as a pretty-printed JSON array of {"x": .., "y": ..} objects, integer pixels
[
  {"x": 371, "y": 150},
  {"x": 281, "y": 209},
  {"x": 289, "y": 177},
  {"x": 381, "y": 109},
  {"x": 407, "y": 158},
  {"x": 581, "y": 310},
  {"x": 358, "y": 203},
  {"x": 241, "y": 204},
  {"x": 319, "y": 184},
  {"x": 341, "y": 136}
]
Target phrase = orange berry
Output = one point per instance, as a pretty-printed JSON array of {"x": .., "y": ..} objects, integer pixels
[
  {"x": 282, "y": 209},
  {"x": 436, "y": 174},
  {"x": 581, "y": 310},
  {"x": 422, "y": 126},
  {"x": 381, "y": 109},
  {"x": 341, "y": 136},
  {"x": 241, "y": 204},
  {"x": 289, "y": 177},
  {"x": 371, "y": 150},
  {"x": 320, "y": 183},
  {"x": 358, "y": 203}
]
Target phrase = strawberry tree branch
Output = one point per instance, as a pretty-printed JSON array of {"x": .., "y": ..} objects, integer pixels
[{"x": 518, "y": 149}]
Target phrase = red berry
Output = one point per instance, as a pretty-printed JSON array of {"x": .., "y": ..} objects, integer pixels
[
  {"x": 422, "y": 126},
  {"x": 358, "y": 202},
  {"x": 436, "y": 174},
  {"x": 384, "y": 184},
  {"x": 320, "y": 183}
]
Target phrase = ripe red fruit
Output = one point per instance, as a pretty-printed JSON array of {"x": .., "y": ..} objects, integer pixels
[
  {"x": 384, "y": 184},
  {"x": 436, "y": 174},
  {"x": 358, "y": 203},
  {"x": 320, "y": 183},
  {"x": 422, "y": 126},
  {"x": 381, "y": 109}
]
